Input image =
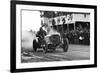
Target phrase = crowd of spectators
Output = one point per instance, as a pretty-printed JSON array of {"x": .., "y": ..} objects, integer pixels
[{"x": 79, "y": 36}]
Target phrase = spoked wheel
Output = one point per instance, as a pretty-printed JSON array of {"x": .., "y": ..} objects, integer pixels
[
  {"x": 65, "y": 44},
  {"x": 35, "y": 44}
]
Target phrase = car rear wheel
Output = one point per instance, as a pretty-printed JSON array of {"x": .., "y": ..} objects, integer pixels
[
  {"x": 65, "y": 44},
  {"x": 35, "y": 44}
]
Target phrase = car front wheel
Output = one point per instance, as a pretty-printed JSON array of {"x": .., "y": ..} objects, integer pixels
[{"x": 65, "y": 44}]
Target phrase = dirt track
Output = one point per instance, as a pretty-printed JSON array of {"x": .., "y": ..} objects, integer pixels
[{"x": 75, "y": 52}]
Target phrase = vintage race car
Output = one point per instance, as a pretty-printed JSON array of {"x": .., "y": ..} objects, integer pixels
[{"x": 51, "y": 42}]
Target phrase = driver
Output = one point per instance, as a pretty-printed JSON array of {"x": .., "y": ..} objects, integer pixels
[{"x": 41, "y": 34}]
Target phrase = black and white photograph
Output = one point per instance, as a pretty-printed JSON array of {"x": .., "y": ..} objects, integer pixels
[
  {"x": 49, "y": 35},
  {"x": 54, "y": 36}
]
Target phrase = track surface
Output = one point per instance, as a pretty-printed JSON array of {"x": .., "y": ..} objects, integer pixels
[{"x": 75, "y": 52}]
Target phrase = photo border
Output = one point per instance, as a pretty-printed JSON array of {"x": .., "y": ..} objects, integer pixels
[{"x": 13, "y": 35}]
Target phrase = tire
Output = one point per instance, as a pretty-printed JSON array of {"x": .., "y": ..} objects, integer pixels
[
  {"x": 65, "y": 44},
  {"x": 35, "y": 44}
]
